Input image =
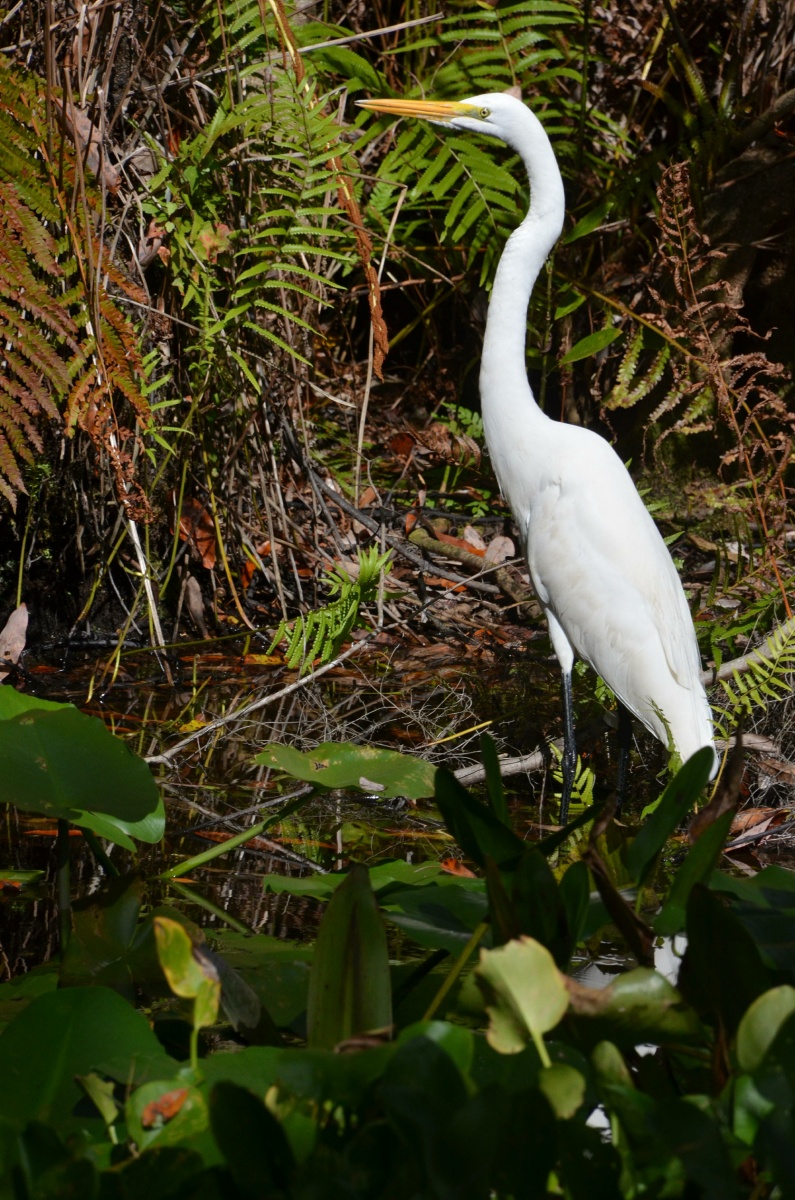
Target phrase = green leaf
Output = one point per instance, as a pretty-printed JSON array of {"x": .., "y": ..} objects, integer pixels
[
  {"x": 588, "y": 223},
  {"x": 349, "y": 985},
  {"x": 695, "y": 1137},
  {"x": 575, "y": 893},
  {"x": 343, "y": 765},
  {"x": 676, "y": 801},
  {"x": 539, "y": 906},
  {"x": 190, "y": 974},
  {"x": 760, "y": 1025},
  {"x": 525, "y": 995},
  {"x": 496, "y": 792},
  {"x": 56, "y": 761},
  {"x": 101, "y": 1093},
  {"x": 722, "y": 971},
  {"x": 437, "y": 917},
  {"x": 17, "y": 993},
  {"x": 640, "y": 1006},
  {"x": 564, "y": 1088},
  {"x": 165, "y": 1113},
  {"x": 591, "y": 344},
  {"x": 104, "y": 934},
  {"x": 479, "y": 833},
  {"x": 251, "y": 1140},
  {"x": 697, "y": 867},
  {"x": 65, "y": 1034},
  {"x": 385, "y": 876}
]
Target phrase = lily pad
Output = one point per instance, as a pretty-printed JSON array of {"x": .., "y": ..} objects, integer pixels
[
  {"x": 62, "y": 764},
  {"x": 343, "y": 765}
]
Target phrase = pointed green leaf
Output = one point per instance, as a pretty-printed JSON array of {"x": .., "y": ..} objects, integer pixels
[
  {"x": 676, "y": 801},
  {"x": 702, "y": 858},
  {"x": 477, "y": 830},
  {"x": 591, "y": 344},
  {"x": 349, "y": 985}
]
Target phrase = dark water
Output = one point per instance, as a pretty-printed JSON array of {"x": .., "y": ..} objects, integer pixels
[{"x": 426, "y": 701}]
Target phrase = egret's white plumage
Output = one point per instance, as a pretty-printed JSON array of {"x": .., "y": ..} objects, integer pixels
[{"x": 602, "y": 572}]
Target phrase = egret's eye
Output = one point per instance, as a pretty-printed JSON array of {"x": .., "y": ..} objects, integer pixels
[{"x": 485, "y": 113}]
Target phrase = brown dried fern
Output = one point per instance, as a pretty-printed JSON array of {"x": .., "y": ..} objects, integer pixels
[
  {"x": 69, "y": 351},
  {"x": 706, "y": 386}
]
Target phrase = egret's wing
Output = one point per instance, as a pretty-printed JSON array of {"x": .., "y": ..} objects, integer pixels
[{"x": 599, "y": 563}]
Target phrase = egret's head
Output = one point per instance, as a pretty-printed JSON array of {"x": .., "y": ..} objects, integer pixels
[{"x": 497, "y": 114}]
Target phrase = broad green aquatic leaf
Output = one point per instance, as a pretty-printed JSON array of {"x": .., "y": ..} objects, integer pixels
[
  {"x": 104, "y": 932},
  {"x": 251, "y": 1140},
  {"x": 684, "y": 1130},
  {"x": 575, "y": 892},
  {"x": 722, "y": 971},
  {"x": 760, "y": 1025},
  {"x": 491, "y": 765},
  {"x": 17, "y": 993},
  {"x": 608, "y": 1062},
  {"x": 343, "y": 765},
  {"x": 564, "y": 1088},
  {"x": 349, "y": 986},
  {"x": 641, "y": 1006},
  {"x": 12, "y": 703},
  {"x": 438, "y": 917},
  {"x": 385, "y": 877},
  {"x": 765, "y": 909},
  {"x": 455, "y": 1040},
  {"x": 275, "y": 969},
  {"x": 538, "y": 900},
  {"x": 102, "y": 1094},
  {"x": 68, "y": 1033},
  {"x": 56, "y": 761},
  {"x": 165, "y": 1113},
  {"x": 525, "y": 995}
]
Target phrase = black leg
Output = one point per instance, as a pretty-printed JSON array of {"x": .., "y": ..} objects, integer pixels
[
  {"x": 624, "y": 743},
  {"x": 569, "y": 762}
]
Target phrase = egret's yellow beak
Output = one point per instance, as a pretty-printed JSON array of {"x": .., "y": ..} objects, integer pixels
[{"x": 432, "y": 110}]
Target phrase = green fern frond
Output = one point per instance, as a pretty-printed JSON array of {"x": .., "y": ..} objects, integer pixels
[
  {"x": 630, "y": 387},
  {"x": 321, "y": 633},
  {"x": 768, "y": 676}
]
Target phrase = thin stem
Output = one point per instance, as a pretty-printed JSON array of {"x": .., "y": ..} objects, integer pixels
[
  {"x": 456, "y": 970},
  {"x": 63, "y": 885},
  {"x": 100, "y": 854},
  {"x": 189, "y": 893},
  {"x": 200, "y": 860}
]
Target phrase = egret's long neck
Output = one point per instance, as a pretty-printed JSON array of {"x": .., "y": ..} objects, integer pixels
[{"x": 503, "y": 373}]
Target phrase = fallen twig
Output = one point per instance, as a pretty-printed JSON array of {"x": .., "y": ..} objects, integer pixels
[
  {"x": 245, "y": 710},
  {"x": 396, "y": 543},
  {"x": 759, "y": 657}
]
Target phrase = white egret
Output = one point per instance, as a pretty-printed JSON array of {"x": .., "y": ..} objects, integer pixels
[{"x": 603, "y": 574}]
